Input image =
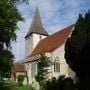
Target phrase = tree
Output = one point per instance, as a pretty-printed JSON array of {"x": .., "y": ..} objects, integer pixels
[
  {"x": 6, "y": 63},
  {"x": 9, "y": 16},
  {"x": 43, "y": 64},
  {"x": 77, "y": 50}
]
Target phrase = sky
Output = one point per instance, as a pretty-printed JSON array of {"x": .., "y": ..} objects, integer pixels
[{"x": 55, "y": 15}]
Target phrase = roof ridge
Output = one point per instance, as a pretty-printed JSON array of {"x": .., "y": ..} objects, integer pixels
[
  {"x": 63, "y": 29},
  {"x": 52, "y": 42},
  {"x": 58, "y": 31}
]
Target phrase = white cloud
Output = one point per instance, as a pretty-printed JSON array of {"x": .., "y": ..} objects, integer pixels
[{"x": 55, "y": 15}]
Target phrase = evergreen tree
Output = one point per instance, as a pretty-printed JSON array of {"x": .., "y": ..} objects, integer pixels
[
  {"x": 77, "y": 50},
  {"x": 43, "y": 64}
]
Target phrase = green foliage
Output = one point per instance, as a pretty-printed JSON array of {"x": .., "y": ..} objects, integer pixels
[
  {"x": 6, "y": 63},
  {"x": 21, "y": 79},
  {"x": 68, "y": 84},
  {"x": 19, "y": 1},
  {"x": 15, "y": 87},
  {"x": 43, "y": 64},
  {"x": 9, "y": 16},
  {"x": 77, "y": 50},
  {"x": 24, "y": 87},
  {"x": 60, "y": 83}
]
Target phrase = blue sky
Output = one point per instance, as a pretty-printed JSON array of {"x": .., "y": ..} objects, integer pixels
[{"x": 55, "y": 15}]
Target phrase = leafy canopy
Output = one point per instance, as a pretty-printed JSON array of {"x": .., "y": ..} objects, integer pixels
[{"x": 9, "y": 16}]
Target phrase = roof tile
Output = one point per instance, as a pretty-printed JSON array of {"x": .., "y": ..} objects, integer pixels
[{"x": 52, "y": 42}]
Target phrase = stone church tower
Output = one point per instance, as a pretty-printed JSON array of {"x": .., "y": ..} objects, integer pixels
[{"x": 35, "y": 33}]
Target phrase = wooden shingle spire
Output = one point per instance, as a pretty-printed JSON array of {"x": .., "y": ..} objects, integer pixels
[{"x": 36, "y": 25}]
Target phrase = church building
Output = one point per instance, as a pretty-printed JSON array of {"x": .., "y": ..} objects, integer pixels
[{"x": 38, "y": 41}]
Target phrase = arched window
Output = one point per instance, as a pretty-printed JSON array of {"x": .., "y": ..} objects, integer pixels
[{"x": 56, "y": 65}]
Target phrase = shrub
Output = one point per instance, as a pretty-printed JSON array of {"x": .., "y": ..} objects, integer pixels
[
  {"x": 20, "y": 80},
  {"x": 68, "y": 84},
  {"x": 60, "y": 83}
]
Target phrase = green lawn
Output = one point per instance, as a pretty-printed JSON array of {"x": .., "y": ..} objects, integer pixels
[
  {"x": 4, "y": 86},
  {"x": 25, "y": 87},
  {"x": 14, "y": 86}
]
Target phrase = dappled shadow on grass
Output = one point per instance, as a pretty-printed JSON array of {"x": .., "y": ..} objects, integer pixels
[{"x": 4, "y": 87}]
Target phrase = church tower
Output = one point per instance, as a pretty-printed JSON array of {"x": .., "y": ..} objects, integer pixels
[{"x": 35, "y": 33}]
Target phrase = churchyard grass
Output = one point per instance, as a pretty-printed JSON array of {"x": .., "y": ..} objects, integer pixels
[
  {"x": 24, "y": 87},
  {"x": 11, "y": 86}
]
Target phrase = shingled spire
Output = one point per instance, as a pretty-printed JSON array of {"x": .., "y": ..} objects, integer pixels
[{"x": 36, "y": 25}]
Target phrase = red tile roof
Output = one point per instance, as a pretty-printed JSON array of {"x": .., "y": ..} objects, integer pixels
[
  {"x": 19, "y": 67},
  {"x": 52, "y": 42}
]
